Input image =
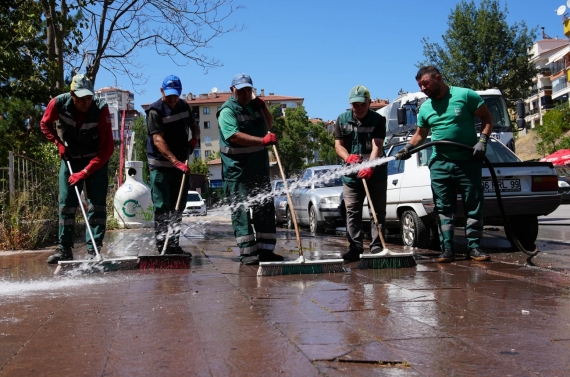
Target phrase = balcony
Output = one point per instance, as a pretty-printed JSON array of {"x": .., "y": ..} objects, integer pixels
[
  {"x": 547, "y": 106},
  {"x": 545, "y": 72}
]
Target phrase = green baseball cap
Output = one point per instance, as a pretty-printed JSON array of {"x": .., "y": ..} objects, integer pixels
[
  {"x": 359, "y": 94},
  {"x": 81, "y": 86}
]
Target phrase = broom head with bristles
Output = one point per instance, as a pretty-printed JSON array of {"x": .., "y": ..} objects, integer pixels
[
  {"x": 301, "y": 266},
  {"x": 98, "y": 265},
  {"x": 387, "y": 259},
  {"x": 168, "y": 261}
]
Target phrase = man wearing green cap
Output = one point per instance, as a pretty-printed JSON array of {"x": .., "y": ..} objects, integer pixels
[
  {"x": 359, "y": 136},
  {"x": 80, "y": 125}
]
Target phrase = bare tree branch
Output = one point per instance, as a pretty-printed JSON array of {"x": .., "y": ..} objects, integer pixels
[{"x": 178, "y": 29}]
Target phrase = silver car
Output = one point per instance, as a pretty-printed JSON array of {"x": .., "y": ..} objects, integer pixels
[
  {"x": 280, "y": 200},
  {"x": 316, "y": 197}
]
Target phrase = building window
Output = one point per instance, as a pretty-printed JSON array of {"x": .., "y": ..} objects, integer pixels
[
  {"x": 559, "y": 84},
  {"x": 207, "y": 153},
  {"x": 208, "y": 140},
  {"x": 196, "y": 153},
  {"x": 206, "y": 125},
  {"x": 206, "y": 110}
]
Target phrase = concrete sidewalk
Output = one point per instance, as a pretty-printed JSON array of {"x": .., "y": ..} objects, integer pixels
[{"x": 219, "y": 319}]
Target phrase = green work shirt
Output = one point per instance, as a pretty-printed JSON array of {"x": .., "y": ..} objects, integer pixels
[
  {"x": 452, "y": 118},
  {"x": 228, "y": 121}
]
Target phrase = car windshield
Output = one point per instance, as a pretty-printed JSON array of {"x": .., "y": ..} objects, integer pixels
[
  {"x": 496, "y": 152},
  {"x": 194, "y": 198},
  {"x": 325, "y": 178}
]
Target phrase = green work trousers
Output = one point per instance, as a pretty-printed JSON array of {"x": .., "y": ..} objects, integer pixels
[
  {"x": 253, "y": 215},
  {"x": 165, "y": 188},
  {"x": 96, "y": 185},
  {"x": 449, "y": 178}
]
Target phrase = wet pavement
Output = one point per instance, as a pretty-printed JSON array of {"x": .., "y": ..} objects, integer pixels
[{"x": 219, "y": 318}]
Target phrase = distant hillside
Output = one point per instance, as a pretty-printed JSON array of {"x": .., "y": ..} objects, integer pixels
[{"x": 525, "y": 146}]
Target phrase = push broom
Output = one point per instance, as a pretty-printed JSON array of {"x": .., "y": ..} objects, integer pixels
[
  {"x": 167, "y": 261},
  {"x": 386, "y": 258},
  {"x": 98, "y": 264},
  {"x": 300, "y": 265}
]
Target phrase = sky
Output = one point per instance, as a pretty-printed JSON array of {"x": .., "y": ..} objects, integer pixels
[{"x": 319, "y": 49}]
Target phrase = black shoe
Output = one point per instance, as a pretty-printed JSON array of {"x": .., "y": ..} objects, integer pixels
[
  {"x": 249, "y": 259},
  {"x": 376, "y": 250},
  {"x": 90, "y": 255},
  {"x": 61, "y": 253},
  {"x": 446, "y": 257},
  {"x": 477, "y": 255},
  {"x": 177, "y": 250},
  {"x": 269, "y": 256},
  {"x": 353, "y": 255}
]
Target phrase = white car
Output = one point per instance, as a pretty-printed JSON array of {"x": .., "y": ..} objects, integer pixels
[
  {"x": 195, "y": 205},
  {"x": 528, "y": 189}
]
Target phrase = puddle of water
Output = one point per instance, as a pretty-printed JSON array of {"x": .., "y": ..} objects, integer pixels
[{"x": 54, "y": 285}]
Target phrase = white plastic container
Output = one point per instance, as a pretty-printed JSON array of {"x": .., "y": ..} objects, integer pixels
[{"x": 133, "y": 207}]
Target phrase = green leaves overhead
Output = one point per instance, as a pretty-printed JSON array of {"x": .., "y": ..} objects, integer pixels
[{"x": 481, "y": 50}]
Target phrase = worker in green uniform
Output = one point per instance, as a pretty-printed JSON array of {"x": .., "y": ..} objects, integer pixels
[
  {"x": 359, "y": 135},
  {"x": 169, "y": 122},
  {"x": 244, "y": 138},
  {"x": 449, "y": 113},
  {"x": 80, "y": 125}
]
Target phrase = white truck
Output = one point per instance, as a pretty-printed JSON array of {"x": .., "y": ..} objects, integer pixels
[{"x": 502, "y": 125}]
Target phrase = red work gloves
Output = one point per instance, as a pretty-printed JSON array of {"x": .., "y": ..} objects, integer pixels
[
  {"x": 182, "y": 167},
  {"x": 192, "y": 143},
  {"x": 365, "y": 173},
  {"x": 61, "y": 148},
  {"x": 259, "y": 102},
  {"x": 76, "y": 177},
  {"x": 269, "y": 139},
  {"x": 353, "y": 159}
]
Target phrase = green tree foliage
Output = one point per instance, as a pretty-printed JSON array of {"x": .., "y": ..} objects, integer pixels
[
  {"x": 297, "y": 137},
  {"x": 325, "y": 140},
  {"x": 555, "y": 123},
  {"x": 19, "y": 129},
  {"x": 481, "y": 50}
]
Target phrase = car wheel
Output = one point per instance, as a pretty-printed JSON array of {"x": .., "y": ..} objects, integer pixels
[
  {"x": 313, "y": 223},
  {"x": 525, "y": 228},
  {"x": 414, "y": 232},
  {"x": 289, "y": 224}
]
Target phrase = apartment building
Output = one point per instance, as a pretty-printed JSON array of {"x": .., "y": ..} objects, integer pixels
[
  {"x": 205, "y": 106},
  {"x": 119, "y": 101},
  {"x": 550, "y": 87}
]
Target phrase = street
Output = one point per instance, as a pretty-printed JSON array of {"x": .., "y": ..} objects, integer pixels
[{"x": 219, "y": 318}]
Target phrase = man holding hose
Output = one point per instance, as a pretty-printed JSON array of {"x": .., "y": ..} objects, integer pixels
[
  {"x": 449, "y": 113},
  {"x": 169, "y": 121},
  {"x": 244, "y": 138}
]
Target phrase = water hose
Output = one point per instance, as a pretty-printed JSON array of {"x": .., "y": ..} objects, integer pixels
[{"x": 507, "y": 224}]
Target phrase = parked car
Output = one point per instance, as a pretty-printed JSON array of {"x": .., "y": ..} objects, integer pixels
[
  {"x": 528, "y": 189},
  {"x": 316, "y": 197},
  {"x": 195, "y": 205},
  {"x": 280, "y": 199},
  {"x": 563, "y": 182}
]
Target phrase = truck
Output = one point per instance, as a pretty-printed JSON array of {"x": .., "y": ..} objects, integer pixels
[{"x": 502, "y": 124}]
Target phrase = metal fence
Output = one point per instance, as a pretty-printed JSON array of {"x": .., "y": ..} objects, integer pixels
[{"x": 33, "y": 182}]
